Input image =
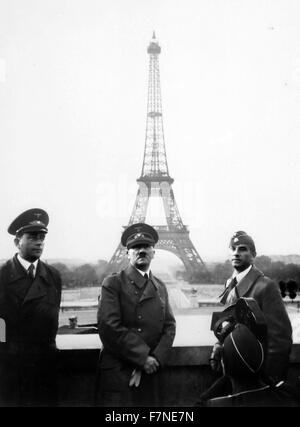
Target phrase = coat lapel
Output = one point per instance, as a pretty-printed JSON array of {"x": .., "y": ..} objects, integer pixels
[
  {"x": 138, "y": 280},
  {"x": 150, "y": 290},
  {"x": 154, "y": 281},
  {"x": 248, "y": 281},
  {"x": 37, "y": 289},
  {"x": 17, "y": 272},
  {"x": 134, "y": 276},
  {"x": 15, "y": 269}
]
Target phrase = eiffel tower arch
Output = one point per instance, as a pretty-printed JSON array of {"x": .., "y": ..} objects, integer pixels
[{"x": 155, "y": 181}]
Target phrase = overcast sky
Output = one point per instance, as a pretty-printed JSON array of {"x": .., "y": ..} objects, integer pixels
[{"x": 73, "y": 97}]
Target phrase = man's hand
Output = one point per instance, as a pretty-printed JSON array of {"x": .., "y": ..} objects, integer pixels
[
  {"x": 215, "y": 357},
  {"x": 151, "y": 365}
]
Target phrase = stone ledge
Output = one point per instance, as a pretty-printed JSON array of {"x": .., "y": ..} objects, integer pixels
[{"x": 179, "y": 356}]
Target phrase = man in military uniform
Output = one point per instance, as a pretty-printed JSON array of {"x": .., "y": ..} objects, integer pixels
[
  {"x": 247, "y": 281},
  {"x": 30, "y": 294},
  {"x": 136, "y": 326},
  {"x": 242, "y": 360}
]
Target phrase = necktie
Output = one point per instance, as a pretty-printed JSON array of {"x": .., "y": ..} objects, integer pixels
[
  {"x": 227, "y": 291},
  {"x": 30, "y": 272},
  {"x": 146, "y": 276}
]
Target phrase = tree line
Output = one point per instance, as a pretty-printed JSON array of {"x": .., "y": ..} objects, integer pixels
[
  {"x": 83, "y": 275},
  {"x": 286, "y": 275}
]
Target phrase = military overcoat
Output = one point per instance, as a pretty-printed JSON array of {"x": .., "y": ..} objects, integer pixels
[
  {"x": 134, "y": 320},
  {"x": 266, "y": 292},
  {"x": 30, "y": 312}
]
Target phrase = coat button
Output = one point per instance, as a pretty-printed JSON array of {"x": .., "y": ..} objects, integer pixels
[
  {"x": 139, "y": 317},
  {"x": 136, "y": 292},
  {"x": 139, "y": 330}
]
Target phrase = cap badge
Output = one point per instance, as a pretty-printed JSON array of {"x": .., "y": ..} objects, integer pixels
[
  {"x": 235, "y": 239},
  {"x": 36, "y": 223}
]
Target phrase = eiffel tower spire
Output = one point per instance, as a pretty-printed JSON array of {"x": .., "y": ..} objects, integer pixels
[
  {"x": 155, "y": 159},
  {"x": 155, "y": 181}
]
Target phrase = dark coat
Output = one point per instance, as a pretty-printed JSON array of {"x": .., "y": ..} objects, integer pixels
[
  {"x": 30, "y": 312},
  {"x": 134, "y": 320},
  {"x": 266, "y": 293}
]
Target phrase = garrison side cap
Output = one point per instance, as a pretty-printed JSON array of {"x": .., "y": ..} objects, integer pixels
[
  {"x": 139, "y": 233},
  {"x": 242, "y": 238},
  {"x": 32, "y": 220}
]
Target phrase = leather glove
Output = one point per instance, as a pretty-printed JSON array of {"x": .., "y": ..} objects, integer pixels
[
  {"x": 135, "y": 378},
  {"x": 215, "y": 357},
  {"x": 2, "y": 330}
]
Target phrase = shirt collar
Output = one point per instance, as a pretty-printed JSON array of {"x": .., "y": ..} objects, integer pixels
[
  {"x": 143, "y": 272},
  {"x": 26, "y": 263},
  {"x": 242, "y": 274}
]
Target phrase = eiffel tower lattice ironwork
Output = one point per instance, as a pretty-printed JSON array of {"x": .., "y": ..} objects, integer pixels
[{"x": 155, "y": 181}]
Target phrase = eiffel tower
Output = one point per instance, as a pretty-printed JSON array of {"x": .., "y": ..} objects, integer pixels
[{"x": 155, "y": 181}]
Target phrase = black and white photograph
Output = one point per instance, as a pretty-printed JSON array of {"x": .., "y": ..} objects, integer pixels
[{"x": 150, "y": 205}]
